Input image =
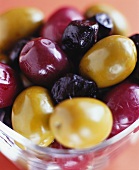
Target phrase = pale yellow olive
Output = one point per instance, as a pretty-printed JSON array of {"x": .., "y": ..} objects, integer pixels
[
  {"x": 18, "y": 23},
  {"x": 109, "y": 61},
  {"x": 120, "y": 23},
  {"x": 81, "y": 122},
  {"x": 30, "y": 115}
]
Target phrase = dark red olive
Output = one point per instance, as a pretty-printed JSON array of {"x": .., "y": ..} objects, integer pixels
[
  {"x": 43, "y": 62},
  {"x": 10, "y": 85},
  {"x": 57, "y": 22},
  {"x": 123, "y": 101}
]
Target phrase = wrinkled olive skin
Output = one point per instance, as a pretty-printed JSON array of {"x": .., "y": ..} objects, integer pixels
[
  {"x": 81, "y": 122},
  {"x": 55, "y": 25},
  {"x": 18, "y": 23},
  {"x": 109, "y": 61},
  {"x": 30, "y": 114},
  {"x": 121, "y": 26}
]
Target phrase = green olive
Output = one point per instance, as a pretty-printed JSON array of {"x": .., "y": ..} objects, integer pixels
[
  {"x": 30, "y": 115},
  {"x": 109, "y": 61},
  {"x": 81, "y": 122},
  {"x": 18, "y": 23},
  {"x": 121, "y": 26}
]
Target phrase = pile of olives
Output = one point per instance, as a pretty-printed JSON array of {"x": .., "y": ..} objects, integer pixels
[{"x": 70, "y": 81}]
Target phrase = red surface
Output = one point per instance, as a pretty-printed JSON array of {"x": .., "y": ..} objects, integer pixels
[
  {"x": 129, "y": 158},
  {"x": 5, "y": 164}
]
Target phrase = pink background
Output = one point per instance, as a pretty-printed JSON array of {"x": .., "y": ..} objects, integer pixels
[{"x": 130, "y": 8}]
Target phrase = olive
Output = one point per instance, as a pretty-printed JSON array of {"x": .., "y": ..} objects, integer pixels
[
  {"x": 26, "y": 83},
  {"x": 73, "y": 85},
  {"x": 123, "y": 100},
  {"x": 121, "y": 25},
  {"x": 135, "y": 38},
  {"x": 15, "y": 53},
  {"x": 43, "y": 62},
  {"x": 10, "y": 85},
  {"x": 105, "y": 25},
  {"x": 18, "y": 23},
  {"x": 55, "y": 25},
  {"x": 30, "y": 114},
  {"x": 109, "y": 61},
  {"x": 78, "y": 37},
  {"x": 81, "y": 122}
]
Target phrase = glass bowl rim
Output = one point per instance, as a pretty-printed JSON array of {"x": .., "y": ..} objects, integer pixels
[{"x": 47, "y": 150}]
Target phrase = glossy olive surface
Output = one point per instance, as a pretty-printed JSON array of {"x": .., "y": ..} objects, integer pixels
[
  {"x": 121, "y": 25},
  {"x": 123, "y": 100},
  {"x": 43, "y": 61},
  {"x": 135, "y": 73},
  {"x": 105, "y": 24},
  {"x": 81, "y": 122},
  {"x": 55, "y": 25},
  {"x": 18, "y": 23},
  {"x": 109, "y": 61},
  {"x": 30, "y": 114},
  {"x": 10, "y": 85}
]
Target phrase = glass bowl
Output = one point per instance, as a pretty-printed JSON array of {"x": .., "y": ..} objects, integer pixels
[{"x": 28, "y": 156}]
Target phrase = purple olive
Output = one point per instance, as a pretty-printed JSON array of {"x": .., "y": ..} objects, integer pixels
[
  {"x": 73, "y": 85},
  {"x": 43, "y": 62}
]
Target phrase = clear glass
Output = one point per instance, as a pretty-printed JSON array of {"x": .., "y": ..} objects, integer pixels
[{"x": 28, "y": 156}]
